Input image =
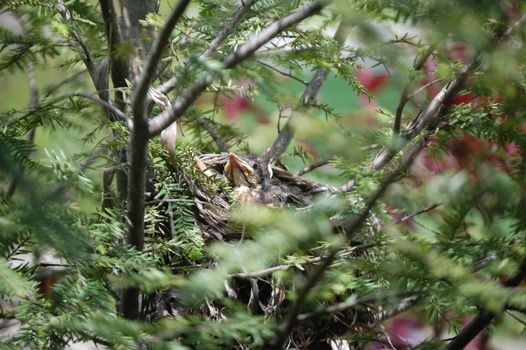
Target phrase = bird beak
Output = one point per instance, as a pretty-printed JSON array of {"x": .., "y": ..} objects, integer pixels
[
  {"x": 237, "y": 170},
  {"x": 234, "y": 162}
]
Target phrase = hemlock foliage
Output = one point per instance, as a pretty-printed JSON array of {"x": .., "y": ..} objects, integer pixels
[{"x": 119, "y": 239}]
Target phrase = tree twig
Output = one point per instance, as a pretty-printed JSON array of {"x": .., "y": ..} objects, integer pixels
[
  {"x": 33, "y": 106},
  {"x": 429, "y": 117},
  {"x": 213, "y": 133},
  {"x": 313, "y": 166},
  {"x": 83, "y": 50},
  {"x": 433, "y": 113},
  {"x": 352, "y": 302},
  {"x": 106, "y": 104},
  {"x": 230, "y": 26},
  {"x": 286, "y": 134},
  {"x": 402, "y": 306},
  {"x": 416, "y": 213},
  {"x": 317, "y": 259},
  {"x": 277, "y": 70}
]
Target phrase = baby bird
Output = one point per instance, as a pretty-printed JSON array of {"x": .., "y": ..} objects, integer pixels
[{"x": 245, "y": 180}]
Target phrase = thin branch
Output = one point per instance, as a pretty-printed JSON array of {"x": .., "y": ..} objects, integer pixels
[
  {"x": 518, "y": 319},
  {"x": 348, "y": 186},
  {"x": 84, "y": 53},
  {"x": 277, "y": 70},
  {"x": 286, "y": 134},
  {"x": 33, "y": 106},
  {"x": 213, "y": 133},
  {"x": 49, "y": 91},
  {"x": 317, "y": 259},
  {"x": 429, "y": 117},
  {"x": 145, "y": 79},
  {"x": 402, "y": 306},
  {"x": 247, "y": 49},
  {"x": 229, "y": 27},
  {"x": 313, "y": 166},
  {"x": 412, "y": 215},
  {"x": 188, "y": 96},
  {"x": 423, "y": 87},
  {"x": 404, "y": 98},
  {"x": 105, "y": 104},
  {"x": 352, "y": 302},
  {"x": 285, "y": 328}
]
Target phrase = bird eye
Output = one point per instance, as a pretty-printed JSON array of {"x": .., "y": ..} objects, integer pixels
[{"x": 255, "y": 166}]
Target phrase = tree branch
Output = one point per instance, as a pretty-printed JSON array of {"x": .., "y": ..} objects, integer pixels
[
  {"x": 433, "y": 113},
  {"x": 83, "y": 51},
  {"x": 352, "y": 302},
  {"x": 429, "y": 117},
  {"x": 105, "y": 104},
  {"x": 277, "y": 70},
  {"x": 313, "y": 166},
  {"x": 189, "y": 95},
  {"x": 229, "y": 27},
  {"x": 33, "y": 105},
  {"x": 317, "y": 259}
]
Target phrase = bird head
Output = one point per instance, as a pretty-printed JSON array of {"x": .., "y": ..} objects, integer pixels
[{"x": 240, "y": 173}]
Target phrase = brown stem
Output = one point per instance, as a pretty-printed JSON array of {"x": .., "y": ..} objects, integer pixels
[{"x": 213, "y": 133}]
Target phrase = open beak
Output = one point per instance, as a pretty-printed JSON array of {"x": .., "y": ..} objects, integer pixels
[{"x": 238, "y": 171}]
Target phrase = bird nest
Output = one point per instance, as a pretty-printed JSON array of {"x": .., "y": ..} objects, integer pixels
[{"x": 216, "y": 183}]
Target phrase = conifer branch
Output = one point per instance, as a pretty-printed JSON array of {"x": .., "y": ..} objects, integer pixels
[
  {"x": 286, "y": 134},
  {"x": 484, "y": 316},
  {"x": 434, "y": 111},
  {"x": 405, "y": 97}
]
